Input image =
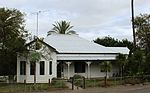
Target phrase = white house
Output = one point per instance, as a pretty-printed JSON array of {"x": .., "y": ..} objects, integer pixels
[{"x": 65, "y": 56}]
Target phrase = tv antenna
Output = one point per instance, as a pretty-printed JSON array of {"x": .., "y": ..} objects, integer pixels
[{"x": 37, "y": 20}]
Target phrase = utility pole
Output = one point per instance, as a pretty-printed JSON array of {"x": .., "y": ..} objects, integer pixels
[{"x": 133, "y": 26}]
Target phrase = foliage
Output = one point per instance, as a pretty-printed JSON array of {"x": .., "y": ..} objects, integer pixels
[
  {"x": 76, "y": 76},
  {"x": 147, "y": 64},
  {"x": 78, "y": 80},
  {"x": 111, "y": 42},
  {"x": 106, "y": 66},
  {"x": 38, "y": 45},
  {"x": 132, "y": 81},
  {"x": 35, "y": 56},
  {"x": 138, "y": 59},
  {"x": 142, "y": 26},
  {"x": 62, "y": 27},
  {"x": 58, "y": 84},
  {"x": 12, "y": 38},
  {"x": 135, "y": 63},
  {"x": 11, "y": 28},
  {"x": 121, "y": 61}
]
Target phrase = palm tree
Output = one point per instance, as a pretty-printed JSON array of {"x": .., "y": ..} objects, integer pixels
[
  {"x": 133, "y": 26},
  {"x": 62, "y": 27},
  {"x": 106, "y": 67}
]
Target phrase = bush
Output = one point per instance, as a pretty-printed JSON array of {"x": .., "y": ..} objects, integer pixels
[
  {"x": 77, "y": 76},
  {"x": 58, "y": 84},
  {"x": 78, "y": 80},
  {"x": 132, "y": 81}
]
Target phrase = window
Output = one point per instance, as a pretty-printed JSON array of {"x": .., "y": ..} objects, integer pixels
[
  {"x": 79, "y": 67},
  {"x": 22, "y": 67},
  {"x": 42, "y": 67},
  {"x": 32, "y": 68},
  {"x": 50, "y": 67}
]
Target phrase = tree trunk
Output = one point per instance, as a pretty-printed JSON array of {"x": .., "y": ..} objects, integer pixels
[{"x": 106, "y": 80}]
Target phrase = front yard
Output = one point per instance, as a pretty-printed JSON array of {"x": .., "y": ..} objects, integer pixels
[{"x": 13, "y": 87}]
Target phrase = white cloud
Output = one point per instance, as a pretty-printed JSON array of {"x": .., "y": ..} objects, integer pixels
[{"x": 91, "y": 18}]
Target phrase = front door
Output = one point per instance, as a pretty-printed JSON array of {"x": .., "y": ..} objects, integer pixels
[{"x": 59, "y": 70}]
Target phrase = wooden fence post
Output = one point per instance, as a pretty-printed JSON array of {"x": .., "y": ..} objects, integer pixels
[
  {"x": 49, "y": 82},
  {"x": 83, "y": 82},
  {"x": 72, "y": 83}
]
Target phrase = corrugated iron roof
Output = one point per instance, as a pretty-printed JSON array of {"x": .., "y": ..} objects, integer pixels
[{"x": 75, "y": 44}]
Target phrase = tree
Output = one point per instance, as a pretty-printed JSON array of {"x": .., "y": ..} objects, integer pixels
[
  {"x": 34, "y": 57},
  {"x": 12, "y": 38},
  {"x": 129, "y": 44},
  {"x": 147, "y": 64},
  {"x": 121, "y": 62},
  {"x": 142, "y": 26},
  {"x": 135, "y": 65},
  {"x": 33, "y": 53},
  {"x": 138, "y": 59},
  {"x": 108, "y": 41},
  {"x": 106, "y": 67},
  {"x": 111, "y": 42},
  {"x": 62, "y": 27}
]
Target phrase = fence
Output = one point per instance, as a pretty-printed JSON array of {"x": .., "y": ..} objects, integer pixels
[
  {"x": 112, "y": 81},
  {"x": 9, "y": 85}
]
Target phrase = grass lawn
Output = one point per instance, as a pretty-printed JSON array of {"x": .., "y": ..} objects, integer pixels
[
  {"x": 55, "y": 85},
  {"x": 97, "y": 82},
  {"x": 23, "y": 87}
]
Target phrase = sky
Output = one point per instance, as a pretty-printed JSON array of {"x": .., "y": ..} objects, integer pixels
[{"x": 90, "y": 18}]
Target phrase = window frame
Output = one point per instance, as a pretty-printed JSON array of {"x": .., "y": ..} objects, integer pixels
[
  {"x": 42, "y": 68},
  {"x": 22, "y": 67},
  {"x": 50, "y": 67},
  {"x": 79, "y": 67},
  {"x": 32, "y": 67}
]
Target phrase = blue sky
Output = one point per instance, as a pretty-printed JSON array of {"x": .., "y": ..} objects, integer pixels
[{"x": 90, "y": 18}]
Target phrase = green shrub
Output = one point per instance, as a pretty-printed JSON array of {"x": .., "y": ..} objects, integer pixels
[
  {"x": 78, "y": 80},
  {"x": 132, "y": 81},
  {"x": 77, "y": 76},
  {"x": 58, "y": 84}
]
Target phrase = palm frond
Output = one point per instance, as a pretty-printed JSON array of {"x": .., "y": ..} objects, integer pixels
[{"x": 62, "y": 27}]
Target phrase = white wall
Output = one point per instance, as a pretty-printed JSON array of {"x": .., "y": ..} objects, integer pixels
[
  {"x": 39, "y": 78},
  {"x": 52, "y": 56}
]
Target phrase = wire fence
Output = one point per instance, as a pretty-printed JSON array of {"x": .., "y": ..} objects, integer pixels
[
  {"x": 112, "y": 81},
  {"x": 8, "y": 84}
]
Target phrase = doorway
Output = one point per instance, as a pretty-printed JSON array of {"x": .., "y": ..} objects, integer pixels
[{"x": 60, "y": 70}]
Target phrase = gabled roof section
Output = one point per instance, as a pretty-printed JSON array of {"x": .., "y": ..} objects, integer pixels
[
  {"x": 37, "y": 39},
  {"x": 75, "y": 44}
]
